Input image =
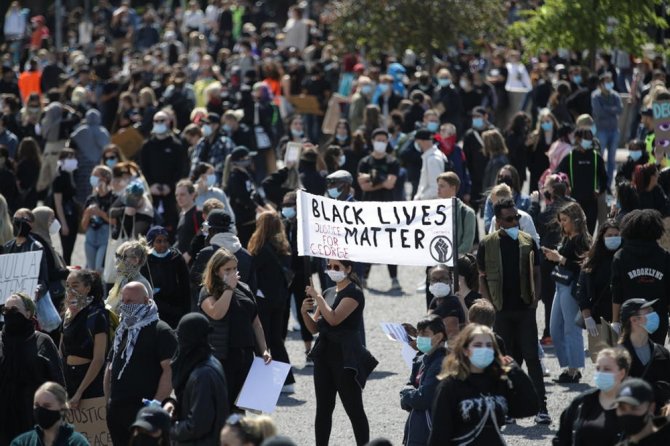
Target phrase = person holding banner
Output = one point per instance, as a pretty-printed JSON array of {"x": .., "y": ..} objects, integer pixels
[
  {"x": 51, "y": 430},
  {"x": 377, "y": 174},
  {"x": 28, "y": 359},
  {"x": 85, "y": 336},
  {"x": 341, "y": 362}
]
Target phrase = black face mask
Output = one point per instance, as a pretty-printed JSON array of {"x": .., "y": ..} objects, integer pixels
[
  {"x": 145, "y": 440},
  {"x": 16, "y": 323},
  {"x": 632, "y": 424},
  {"x": 20, "y": 227},
  {"x": 46, "y": 418}
]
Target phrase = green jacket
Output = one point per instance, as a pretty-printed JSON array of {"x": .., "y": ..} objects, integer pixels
[
  {"x": 466, "y": 221},
  {"x": 66, "y": 437},
  {"x": 494, "y": 268}
]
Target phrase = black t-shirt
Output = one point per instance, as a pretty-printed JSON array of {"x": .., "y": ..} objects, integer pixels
[
  {"x": 188, "y": 227},
  {"x": 79, "y": 334},
  {"x": 448, "y": 306},
  {"x": 104, "y": 202},
  {"x": 471, "y": 297},
  {"x": 379, "y": 170},
  {"x": 599, "y": 426},
  {"x": 155, "y": 343},
  {"x": 355, "y": 319},
  {"x": 241, "y": 314},
  {"x": 511, "y": 288},
  {"x": 63, "y": 184}
]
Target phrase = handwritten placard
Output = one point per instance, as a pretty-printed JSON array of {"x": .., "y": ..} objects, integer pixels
[
  {"x": 90, "y": 420},
  {"x": 19, "y": 272}
]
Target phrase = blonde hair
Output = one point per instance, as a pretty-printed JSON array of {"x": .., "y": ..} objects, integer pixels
[
  {"x": 501, "y": 191},
  {"x": 457, "y": 364},
  {"x": 494, "y": 143},
  {"x": 584, "y": 121},
  {"x": 56, "y": 390},
  {"x": 210, "y": 279},
  {"x": 6, "y": 233},
  {"x": 147, "y": 96},
  {"x": 138, "y": 248}
]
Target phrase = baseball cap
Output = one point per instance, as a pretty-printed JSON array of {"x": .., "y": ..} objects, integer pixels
[
  {"x": 152, "y": 420},
  {"x": 632, "y": 306},
  {"x": 635, "y": 391},
  {"x": 479, "y": 111},
  {"x": 340, "y": 176},
  {"x": 211, "y": 118},
  {"x": 240, "y": 152},
  {"x": 424, "y": 134}
]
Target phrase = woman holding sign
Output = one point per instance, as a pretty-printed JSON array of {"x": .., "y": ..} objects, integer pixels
[{"x": 341, "y": 361}]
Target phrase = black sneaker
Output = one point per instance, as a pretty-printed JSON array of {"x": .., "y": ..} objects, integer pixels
[
  {"x": 543, "y": 417},
  {"x": 566, "y": 378}
]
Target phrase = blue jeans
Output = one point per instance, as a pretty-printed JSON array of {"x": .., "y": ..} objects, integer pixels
[
  {"x": 565, "y": 334},
  {"x": 609, "y": 140},
  {"x": 96, "y": 247}
]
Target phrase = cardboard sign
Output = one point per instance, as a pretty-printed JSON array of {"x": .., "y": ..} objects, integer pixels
[
  {"x": 90, "y": 420},
  {"x": 419, "y": 233},
  {"x": 661, "y": 110},
  {"x": 19, "y": 272},
  {"x": 306, "y": 105}
]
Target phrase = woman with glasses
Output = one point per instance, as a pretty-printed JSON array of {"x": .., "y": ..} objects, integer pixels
[
  {"x": 130, "y": 258},
  {"x": 231, "y": 309},
  {"x": 85, "y": 336},
  {"x": 566, "y": 335},
  {"x": 28, "y": 359},
  {"x": 341, "y": 361}
]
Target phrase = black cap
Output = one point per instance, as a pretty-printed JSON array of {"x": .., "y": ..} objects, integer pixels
[
  {"x": 212, "y": 118},
  {"x": 340, "y": 176},
  {"x": 424, "y": 134},
  {"x": 479, "y": 111},
  {"x": 635, "y": 391},
  {"x": 219, "y": 220},
  {"x": 380, "y": 131},
  {"x": 647, "y": 112},
  {"x": 153, "y": 419},
  {"x": 239, "y": 152},
  {"x": 632, "y": 306}
]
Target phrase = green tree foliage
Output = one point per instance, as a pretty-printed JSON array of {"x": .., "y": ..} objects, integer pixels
[
  {"x": 589, "y": 25},
  {"x": 424, "y": 26}
]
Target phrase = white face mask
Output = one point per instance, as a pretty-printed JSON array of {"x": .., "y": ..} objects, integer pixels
[
  {"x": 336, "y": 276},
  {"x": 69, "y": 164},
  {"x": 379, "y": 146},
  {"x": 439, "y": 289},
  {"x": 54, "y": 227},
  {"x": 342, "y": 160}
]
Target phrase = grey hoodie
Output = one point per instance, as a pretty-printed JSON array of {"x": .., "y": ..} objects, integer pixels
[{"x": 226, "y": 240}]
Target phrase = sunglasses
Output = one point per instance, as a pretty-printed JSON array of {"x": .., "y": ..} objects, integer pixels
[
  {"x": 106, "y": 158},
  {"x": 512, "y": 218}
]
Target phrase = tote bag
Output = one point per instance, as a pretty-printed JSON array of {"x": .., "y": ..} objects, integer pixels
[{"x": 109, "y": 273}]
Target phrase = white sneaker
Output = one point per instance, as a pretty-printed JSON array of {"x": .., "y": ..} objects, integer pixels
[
  {"x": 545, "y": 369},
  {"x": 288, "y": 389}
]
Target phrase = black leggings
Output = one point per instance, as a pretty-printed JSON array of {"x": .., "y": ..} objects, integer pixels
[
  {"x": 236, "y": 367},
  {"x": 272, "y": 318},
  {"x": 74, "y": 375},
  {"x": 330, "y": 379}
]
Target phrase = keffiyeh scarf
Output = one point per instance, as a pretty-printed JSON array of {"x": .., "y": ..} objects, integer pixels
[{"x": 134, "y": 317}]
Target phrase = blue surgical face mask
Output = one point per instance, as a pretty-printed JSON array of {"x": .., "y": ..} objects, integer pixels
[
  {"x": 577, "y": 79},
  {"x": 211, "y": 180},
  {"x": 547, "y": 125},
  {"x": 444, "y": 82},
  {"x": 593, "y": 129},
  {"x": 366, "y": 89},
  {"x": 159, "y": 128},
  {"x": 297, "y": 133},
  {"x": 341, "y": 138},
  {"x": 586, "y": 144},
  {"x": 635, "y": 155},
  {"x": 513, "y": 232},
  {"x": 432, "y": 127},
  {"x": 288, "y": 212},
  {"x": 613, "y": 242},
  {"x": 341, "y": 160},
  {"x": 424, "y": 344},
  {"x": 94, "y": 181},
  {"x": 651, "y": 325},
  {"x": 161, "y": 255},
  {"x": 609, "y": 86},
  {"x": 383, "y": 88},
  {"x": 227, "y": 128},
  {"x": 206, "y": 130},
  {"x": 604, "y": 380},
  {"x": 111, "y": 162},
  {"x": 478, "y": 123},
  {"x": 482, "y": 357},
  {"x": 333, "y": 192}
]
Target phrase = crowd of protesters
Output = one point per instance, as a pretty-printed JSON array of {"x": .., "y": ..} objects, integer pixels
[{"x": 160, "y": 134}]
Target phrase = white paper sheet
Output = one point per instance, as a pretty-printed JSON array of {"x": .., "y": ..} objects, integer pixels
[
  {"x": 408, "y": 355},
  {"x": 263, "y": 385},
  {"x": 394, "y": 331}
]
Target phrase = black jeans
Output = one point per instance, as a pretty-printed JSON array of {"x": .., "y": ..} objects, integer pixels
[
  {"x": 273, "y": 320},
  {"x": 330, "y": 379},
  {"x": 518, "y": 329},
  {"x": 548, "y": 291},
  {"x": 120, "y": 416},
  {"x": 74, "y": 375}
]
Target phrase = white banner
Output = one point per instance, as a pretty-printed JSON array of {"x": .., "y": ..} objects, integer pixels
[
  {"x": 19, "y": 272},
  {"x": 397, "y": 233}
]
